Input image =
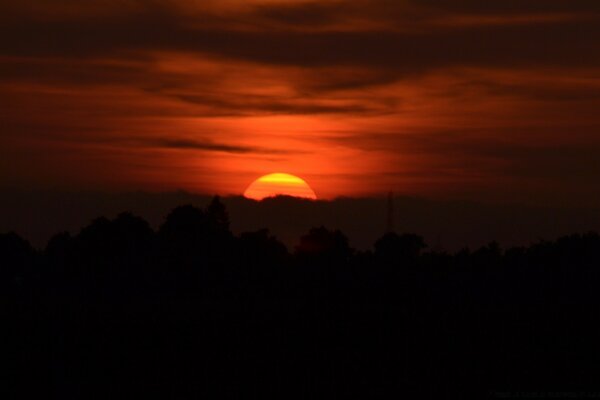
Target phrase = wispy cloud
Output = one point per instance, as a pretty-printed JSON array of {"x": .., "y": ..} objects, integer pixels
[{"x": 188, "y": 144}]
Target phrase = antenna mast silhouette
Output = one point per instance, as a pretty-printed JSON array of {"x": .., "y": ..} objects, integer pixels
[{"x": 390, "y": 213}]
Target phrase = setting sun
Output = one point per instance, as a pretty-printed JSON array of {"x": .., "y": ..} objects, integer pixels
[{"x": 278, "y": 184}]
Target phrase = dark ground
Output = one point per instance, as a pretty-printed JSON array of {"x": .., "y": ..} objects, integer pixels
[{"x": 191, "y": 311}]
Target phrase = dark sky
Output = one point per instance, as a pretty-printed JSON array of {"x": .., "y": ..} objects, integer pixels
[{"x": 495, "y": 101}]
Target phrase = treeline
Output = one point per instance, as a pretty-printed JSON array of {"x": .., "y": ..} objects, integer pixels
[{"x": 120, "y": 310}]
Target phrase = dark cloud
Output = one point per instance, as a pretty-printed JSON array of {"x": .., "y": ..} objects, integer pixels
[
  {"x": 485, "y": 154},
  {"x": 188, "y": 144},
  {"x": 72, "y": 72},
  {"x": 248, "y": 105},
  {"x": 548, "y": 93},
  {"x": 570, "y": 42},
  {"x": 414, "y": 53},
  {"x": 510, "y": 6},
  {"x": 305, "y": 14},
  {"x": 402, "y": 44}
]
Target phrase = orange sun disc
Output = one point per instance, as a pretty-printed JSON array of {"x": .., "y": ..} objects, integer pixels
[{"x": 279, "y": 184}]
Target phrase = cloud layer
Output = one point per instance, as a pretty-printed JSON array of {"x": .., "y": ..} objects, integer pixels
[{"x": 491, "y": 100}]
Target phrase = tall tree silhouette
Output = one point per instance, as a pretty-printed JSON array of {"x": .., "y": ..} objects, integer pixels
[{"x": 217, "y": 215}]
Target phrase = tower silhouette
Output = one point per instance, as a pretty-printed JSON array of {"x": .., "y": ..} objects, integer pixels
[{"x": 390, "y": 213}]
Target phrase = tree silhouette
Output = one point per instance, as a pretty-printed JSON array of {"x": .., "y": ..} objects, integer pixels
[
  {"x": 16, "y": 255},
  {"x": 323, "y": 244},
  {"x": 217, "y": 215},
  {"x": 194, "y": 311},
  {"x": 262, "y": 249},
  {"x": 395, "y": 249}
]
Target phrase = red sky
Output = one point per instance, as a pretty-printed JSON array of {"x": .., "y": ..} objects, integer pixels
[{"x": 438, "y": 98}]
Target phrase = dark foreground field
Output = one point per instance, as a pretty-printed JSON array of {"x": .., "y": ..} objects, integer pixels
[{"x": 192, "y": 311}]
